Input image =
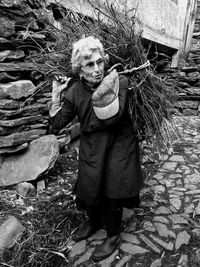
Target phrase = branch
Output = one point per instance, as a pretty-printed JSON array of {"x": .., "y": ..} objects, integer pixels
[{"x": 145, "y": 65}]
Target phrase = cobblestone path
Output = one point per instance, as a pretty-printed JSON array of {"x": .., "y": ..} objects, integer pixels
[{"x": 165, "y": 230}]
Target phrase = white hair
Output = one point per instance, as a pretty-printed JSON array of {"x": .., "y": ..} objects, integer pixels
[{"x": 82, "y": 49}]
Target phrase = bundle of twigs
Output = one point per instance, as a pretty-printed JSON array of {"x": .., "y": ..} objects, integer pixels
[{"x": 150, "y": 97}]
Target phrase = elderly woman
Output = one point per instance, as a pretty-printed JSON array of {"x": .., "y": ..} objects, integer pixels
[{"x": 109, "y": 173}]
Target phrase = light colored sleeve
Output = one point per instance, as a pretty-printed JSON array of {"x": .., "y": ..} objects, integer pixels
[{"x": 54, "y": 107}]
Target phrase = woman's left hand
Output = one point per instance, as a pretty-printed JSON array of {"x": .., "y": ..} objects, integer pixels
[{"x": 59, "y": 84}]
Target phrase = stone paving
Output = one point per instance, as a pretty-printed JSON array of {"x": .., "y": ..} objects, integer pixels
[{"x": 165, "y": 230}]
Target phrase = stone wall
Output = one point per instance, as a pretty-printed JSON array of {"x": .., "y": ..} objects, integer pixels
[
  {"x": 23, "y": 111},
  {"x": 187, "y": 75},
  {"x": 23, "y": 92}
]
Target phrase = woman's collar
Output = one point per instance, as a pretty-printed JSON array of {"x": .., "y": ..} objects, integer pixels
[{"x": 88, "y": 86}]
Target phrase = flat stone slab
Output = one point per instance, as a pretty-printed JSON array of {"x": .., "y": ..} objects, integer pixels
[
  {"x": 177, "y": 158},
  {"x": 182, "y": 238},
  {"x": 17, "y": 90},
  {"x": 38, "y": 158},
  {"x": 10, "y": 230},
  {"x": 11, "y": 150},
  {"x": 133, "y": 249},
  {"x": 21, "y": 137},
  {"x": 78, "y": 248},
  {"x": 169, "y": 165}
]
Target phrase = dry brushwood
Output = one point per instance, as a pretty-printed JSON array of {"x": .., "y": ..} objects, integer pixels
[{"x": 150, "y": 97}]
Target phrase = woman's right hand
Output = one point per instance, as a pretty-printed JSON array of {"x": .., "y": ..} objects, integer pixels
[{"x": 59, "y": 84}]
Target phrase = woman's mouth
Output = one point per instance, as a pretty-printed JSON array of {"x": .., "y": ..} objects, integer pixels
[{"x": 97, "y": 77}]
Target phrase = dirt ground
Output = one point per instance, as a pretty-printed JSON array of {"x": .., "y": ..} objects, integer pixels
[{"x": 49, "y": 218}]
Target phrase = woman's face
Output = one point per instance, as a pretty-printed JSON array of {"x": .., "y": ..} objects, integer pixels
[{"x": 92, "y": 69}]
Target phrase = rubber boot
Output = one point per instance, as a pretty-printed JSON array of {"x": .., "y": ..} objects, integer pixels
[
  {"x": 112, "y": 241},
  {"x": 89, "y": 227}
]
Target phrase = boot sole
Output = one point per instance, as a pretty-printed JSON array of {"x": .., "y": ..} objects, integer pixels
[{"x": 108, "y": 255}]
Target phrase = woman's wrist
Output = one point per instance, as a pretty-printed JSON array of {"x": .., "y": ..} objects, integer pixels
[
  {"x": 55, "y": 98},
  {"x": 56, "y": 102}
]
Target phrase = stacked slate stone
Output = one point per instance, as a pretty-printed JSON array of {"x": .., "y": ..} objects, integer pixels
[
  {"x": 23, "y": 100},
  {"x": 187, "y": 80},
  {"x": 187, "y": 77}
]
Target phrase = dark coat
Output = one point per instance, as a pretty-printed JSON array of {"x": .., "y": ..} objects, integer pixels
[{"x": 109, "y": 160}]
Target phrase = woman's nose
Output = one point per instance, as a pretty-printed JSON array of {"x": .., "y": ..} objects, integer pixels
[{"x": 96, "y": 67}]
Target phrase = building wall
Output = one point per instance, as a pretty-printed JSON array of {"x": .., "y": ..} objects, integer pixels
[{"x": 163, "y": 21}]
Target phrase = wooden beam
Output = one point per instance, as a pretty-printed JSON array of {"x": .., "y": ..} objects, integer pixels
[{"x": 189, "y": 27}]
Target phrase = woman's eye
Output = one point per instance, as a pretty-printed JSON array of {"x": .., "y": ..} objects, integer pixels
[
  {"x": 100, "y": 61},
  {"x": 91, "y": 64}
]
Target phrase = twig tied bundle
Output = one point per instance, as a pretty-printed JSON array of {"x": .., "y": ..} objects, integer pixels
[{"x": 150, "y": 97}]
